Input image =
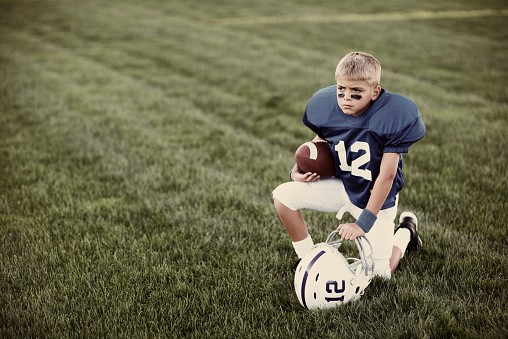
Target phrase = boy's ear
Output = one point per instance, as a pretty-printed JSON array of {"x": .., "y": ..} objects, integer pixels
[{"x": 376, "y": 92}]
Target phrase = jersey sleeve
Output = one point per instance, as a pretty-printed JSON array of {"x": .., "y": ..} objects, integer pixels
[
  {"x": 400, "y": 142},
  {"x": 399, "y": 124}
]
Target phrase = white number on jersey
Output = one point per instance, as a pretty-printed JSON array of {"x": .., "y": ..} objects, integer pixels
[{"x": 354, "y": 168}]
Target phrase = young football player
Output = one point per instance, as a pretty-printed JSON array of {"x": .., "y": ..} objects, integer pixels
[{"x": 368, "y": 130}]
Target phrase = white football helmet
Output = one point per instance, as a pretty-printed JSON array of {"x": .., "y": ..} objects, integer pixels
[{"x": 325, "y": 279}]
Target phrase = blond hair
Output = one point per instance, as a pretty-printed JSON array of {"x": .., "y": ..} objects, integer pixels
[{"x": 359, "y": 66}]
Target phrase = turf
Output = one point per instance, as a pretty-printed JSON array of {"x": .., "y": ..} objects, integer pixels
[{"x": 140, "y": 142}]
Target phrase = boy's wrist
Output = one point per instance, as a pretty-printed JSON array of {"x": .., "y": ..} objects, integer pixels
[
  {"x": 366, "y": 220},
  {"x": 291, "y": 172}
]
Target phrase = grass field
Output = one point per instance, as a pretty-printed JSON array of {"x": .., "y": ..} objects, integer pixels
[{"x": 140, "y": 142}]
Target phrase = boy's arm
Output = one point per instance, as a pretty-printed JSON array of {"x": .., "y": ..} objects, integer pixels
[
  {"x": 384, "y": 182},
  {"x": 380, "y": 191}
]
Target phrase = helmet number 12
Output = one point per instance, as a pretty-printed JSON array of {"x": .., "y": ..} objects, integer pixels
[
  {"x": 354, "y": 168},
  {"x": 333, "y": 287}
]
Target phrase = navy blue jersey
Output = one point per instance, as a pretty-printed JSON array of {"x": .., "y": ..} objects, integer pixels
[{"x": 390, "y": 125}]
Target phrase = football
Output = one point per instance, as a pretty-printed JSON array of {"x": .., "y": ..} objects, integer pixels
[{"x": 315, "y": 157}]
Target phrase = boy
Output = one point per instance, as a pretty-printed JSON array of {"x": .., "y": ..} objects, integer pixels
[{"x": 367, "y": 129}]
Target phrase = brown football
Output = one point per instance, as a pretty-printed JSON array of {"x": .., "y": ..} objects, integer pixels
[{"x": 316, "y": 157}]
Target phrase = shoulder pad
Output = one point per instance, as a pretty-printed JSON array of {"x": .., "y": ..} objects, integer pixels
[{"x": 322, "y": 101}]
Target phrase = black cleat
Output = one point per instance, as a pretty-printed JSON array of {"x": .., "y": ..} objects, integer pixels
[{"x": 408, "y": 220}]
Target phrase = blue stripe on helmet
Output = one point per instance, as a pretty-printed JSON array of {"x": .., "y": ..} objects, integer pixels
[{"x": 305, "y": 276}]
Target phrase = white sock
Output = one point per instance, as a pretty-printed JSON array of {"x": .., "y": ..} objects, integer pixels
[
  {"x": 382, "y": 269},
  {"x": 303, "y": 247},
  {"x": 401, "y": 239}
]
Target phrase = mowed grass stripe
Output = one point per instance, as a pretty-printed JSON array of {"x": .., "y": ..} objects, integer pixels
[{"x": 368, "y": 17}]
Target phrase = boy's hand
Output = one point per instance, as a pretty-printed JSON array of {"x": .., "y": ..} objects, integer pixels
[
  {"x": 296, "y": 175},
  {"x": 350, "y": 231}
]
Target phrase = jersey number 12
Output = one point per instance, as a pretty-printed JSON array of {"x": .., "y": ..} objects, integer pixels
[{"x": 354, "y": 168}]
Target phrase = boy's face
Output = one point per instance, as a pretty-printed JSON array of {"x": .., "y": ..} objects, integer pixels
[{"x": 355, "y": 96}]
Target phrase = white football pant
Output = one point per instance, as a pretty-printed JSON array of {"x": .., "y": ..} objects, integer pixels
[{"x": 329, "y": 195}]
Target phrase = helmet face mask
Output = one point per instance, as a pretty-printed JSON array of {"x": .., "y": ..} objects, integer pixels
[{"x": 325, "y": 279}]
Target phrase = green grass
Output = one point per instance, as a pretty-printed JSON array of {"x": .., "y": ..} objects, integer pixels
[{"x": 140, "y": 142}]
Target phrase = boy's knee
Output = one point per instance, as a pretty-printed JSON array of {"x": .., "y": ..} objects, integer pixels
[
  {"x": 280, "y": 207},
  {"x": 284, "y": 197}
]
